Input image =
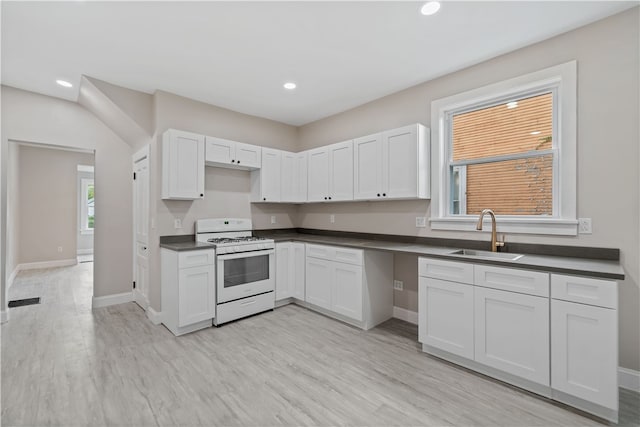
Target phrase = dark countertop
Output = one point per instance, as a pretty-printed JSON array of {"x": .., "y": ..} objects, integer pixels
[
  {"x": 606, "y": 269},
  {"x": 601, "y": 268}
]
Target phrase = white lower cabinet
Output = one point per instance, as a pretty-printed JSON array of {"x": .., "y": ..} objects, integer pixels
[
  {"x": 188, "y": 289},
  {"x": 352, "y": 285},
  {"x": 346, "y": 292},
  {"x": 584, "y": 352},
  {"x": 290, "y": 280},
  {"x": 319, "y": 278},
  {"x": 446, "y": 315},
  {"x": 512, "y": 333},
  {"x": 555, "y": 335}
]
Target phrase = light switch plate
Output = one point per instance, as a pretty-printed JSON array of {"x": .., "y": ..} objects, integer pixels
[
  {"x": 398, "y": 285},
  {"x": 421, "y": 221},
  {"x": 177, "y": 223},
  {"x": 332, "y": 218},
  {"x": 273, "y": 219}
]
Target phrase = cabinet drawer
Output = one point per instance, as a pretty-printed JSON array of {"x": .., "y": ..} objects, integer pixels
[
  {"x": 509, "y": 279},
  {"x": 244, "y": 307},
  {"x": 349, "y": 256},
  {"x": 195, "y": 258},
  {"x": 446, "y": 270},
  {"x": 585, "y": 290},
  {"x": 321, "y": 251}
]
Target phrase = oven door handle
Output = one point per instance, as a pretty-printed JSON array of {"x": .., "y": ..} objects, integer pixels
[{"x": 245, "y": 254}]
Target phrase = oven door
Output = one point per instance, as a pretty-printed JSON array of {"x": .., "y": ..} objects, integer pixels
[{"x": 244, "y": 274}]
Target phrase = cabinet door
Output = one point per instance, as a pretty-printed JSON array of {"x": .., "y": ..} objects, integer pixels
[
  {"x": 298, "y": 261},
  {"x": 512, "y": 333},
  {"x": 400, "y": 163},
  {"x": 584, "y": 352},
  {"x": 248, "y": 155},
  {"x": 300, "y": 178},
  {"x": 289, "y": 177},
  {"x": 346, "y": 290},
  {"x": 318, "y": 175},
  {"x": 283, "y": 271},
  {"x": 183, "y": 166},
  {"x": 196, "y": 294},
  {"x": 219, "y": 150},
  {"x": 446, "y": 316},
  {"x": 319, "y": 277},
  {"x": 270, "y": 175},
  {"x": 367, "y": 168},
  {"x": 341, "y": 171}
]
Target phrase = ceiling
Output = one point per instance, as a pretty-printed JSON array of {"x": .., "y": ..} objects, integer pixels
[{"x": 239, "y": 54}]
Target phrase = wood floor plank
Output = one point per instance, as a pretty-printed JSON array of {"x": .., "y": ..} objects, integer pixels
[{"x": 65, "y": 364}]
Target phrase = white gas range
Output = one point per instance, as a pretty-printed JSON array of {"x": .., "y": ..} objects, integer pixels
[{"x": 245, "y": 267}]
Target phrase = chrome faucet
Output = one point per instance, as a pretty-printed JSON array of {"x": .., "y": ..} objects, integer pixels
[{"x": 494, "y": 241}]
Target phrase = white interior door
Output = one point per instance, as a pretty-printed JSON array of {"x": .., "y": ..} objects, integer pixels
[{"x": 141, "y": 227}]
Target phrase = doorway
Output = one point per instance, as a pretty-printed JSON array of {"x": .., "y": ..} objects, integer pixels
[{"x": 46, "y": 216}]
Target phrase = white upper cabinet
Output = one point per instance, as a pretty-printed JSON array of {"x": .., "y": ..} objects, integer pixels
[
  {"x": 182, "y": 165},
  {"x": 393, "y": 164},
  {"x": 318, "y": 175},
  {"x": 265, "y": 182},
  {"x": 330, "y": 173},
  {"x": 294, "y": 177},
  {"x": 231, "y": 154},
  {"x": 341, "y": 171},
  {"x": 367, "y": 167}
]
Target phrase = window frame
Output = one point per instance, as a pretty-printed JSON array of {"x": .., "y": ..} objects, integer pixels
[
  {"x": 562, "y": 81},
  {"x": 84, "y": 209}
]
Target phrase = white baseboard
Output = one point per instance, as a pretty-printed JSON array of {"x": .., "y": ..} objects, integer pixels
[
  {"x": 140, "y": 299},
  {"x": 4, "y": 316},
  {"x": 84, "y": 251},
  {"x": 406, "y": 315},
  {"x": 12, "y": 277},
  {"x": 629, "y": 379},
  {"x": 107, "y": 300},
  {"x": 47, "y": 264},
  {"x": 154, "y": 316}
]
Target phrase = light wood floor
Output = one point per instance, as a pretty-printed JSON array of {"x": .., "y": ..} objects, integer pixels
[{"x": 63, "y": 364}]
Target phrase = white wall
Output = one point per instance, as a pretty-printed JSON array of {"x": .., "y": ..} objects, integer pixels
[
  {"x": 608, "y": 56},
  {"x": 13, "y": 212},
  {"x": 34, "y": 118}
]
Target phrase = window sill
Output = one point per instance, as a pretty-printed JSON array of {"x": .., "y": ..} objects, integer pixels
[{"x": 550, "y": 226}]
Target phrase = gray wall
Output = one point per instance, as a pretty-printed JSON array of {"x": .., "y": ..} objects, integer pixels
[
  {"x": 34, "y": 118},
  {"x": 226, "y": 191},
  {"x": 48, "y": 203},
  {"x": 608, "y": 55}
]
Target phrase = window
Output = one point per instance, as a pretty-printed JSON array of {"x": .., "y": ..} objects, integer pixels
[
  {"x": 509, "y": 147},
  {"x": 87, "y": 207}
]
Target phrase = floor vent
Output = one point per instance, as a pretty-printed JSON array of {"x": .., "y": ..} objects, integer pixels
[{"x": 22, "y": 302}]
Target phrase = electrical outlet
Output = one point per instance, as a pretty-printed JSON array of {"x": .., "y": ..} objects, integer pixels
[
  {"x": 584, "y": 225},
  {"x": 332, "y": 218},
  {"x": 177, "y": 223},
  {"x": 421, "y": 221},
  {"x": 398, "y": 285},
  {"x": 273, "y": 219},
  {"x": 59, "y": 248}
]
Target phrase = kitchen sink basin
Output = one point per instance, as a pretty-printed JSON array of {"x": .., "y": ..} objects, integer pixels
[{"x": 472, "y": 253}]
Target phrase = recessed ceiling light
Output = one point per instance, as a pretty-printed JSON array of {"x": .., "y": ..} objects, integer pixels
[
  {"x": 512, "y": 104},
  {"x": 536, "y": 132},
  {"x": 431, "y": 7},
  {"x": 290, "y": 85},
  {"x": 64, "y": 83}
]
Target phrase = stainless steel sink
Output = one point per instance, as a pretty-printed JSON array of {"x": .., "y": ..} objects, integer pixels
[{"x": 472, "y": 253}]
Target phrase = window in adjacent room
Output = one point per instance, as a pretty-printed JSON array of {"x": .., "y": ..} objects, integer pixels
[
  {"x": 87, "y": 205},
  {"x": 509, "y": 147}
]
